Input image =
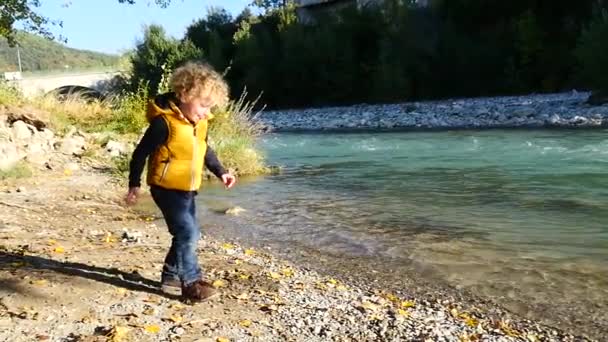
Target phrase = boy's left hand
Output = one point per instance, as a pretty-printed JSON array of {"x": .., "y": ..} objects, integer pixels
[{"x": 228, "y": 180}]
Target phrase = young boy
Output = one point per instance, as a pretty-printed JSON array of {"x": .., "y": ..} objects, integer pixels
[{"x": 176, "y": 142}]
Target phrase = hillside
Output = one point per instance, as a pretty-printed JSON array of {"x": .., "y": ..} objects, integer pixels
[{"x": 39, "y": 54}]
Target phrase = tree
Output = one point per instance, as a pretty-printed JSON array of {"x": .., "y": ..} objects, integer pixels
[
  {"x": 213, "y": 35},
  {"x": 269, "y": 5},
  {"x": 157, "y": 55},
  {"x": 592, "y": 52},
  {"x": 25, "y": 11}
]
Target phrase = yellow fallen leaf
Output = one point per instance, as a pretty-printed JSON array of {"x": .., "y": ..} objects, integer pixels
[
  {"x": 472, "y": 322},
  {"x": 274, "y": 275},
  {"x": 67, "y": 172},
  {"x": 152, "y": 299},
  {"x": 407, "y": 304},
  {"x": 469, "y": 338},
  {"x": 332, "y": 281},
  {"x": 321, "y": 286},
  {"x": 249, "y": 252},
  {"x": 391, "y": 297},
  {"x": 245, "y": 323},
  {"x": 369, "y": 306},
  {"x": 153, "y": 329},
  {"x": 52, "y": 242},
  {"x": 108, "y": 238},
  {"x": 402, "y": 312},
  {"x": 118, "y": 333},
  {"x": 59, "y": 249},
  {"x": 39, "y": 282},
  {"x": 287, "y": 272},
  {"x": 509, "y": 331},
  {"x": 532, "y": 338},
  {"x": 177, "y": 307},
  {"x": 375, "y": 317},
  {"x": 238, "y": 261},
  {"x": 228, "y": 246},
  {"x": 121, "y": 291},
  {"x": 244, "y": 276},
  {"x": 218, "y": 283},
  {"x": 86, "y": 319},
  {"x": 222, "y": 339},
  {"x": 277, "y": 300},
  {"x": 175, "y": 318}
]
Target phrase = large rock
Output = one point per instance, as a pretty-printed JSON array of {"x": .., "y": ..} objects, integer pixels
[
  {"x": 115, "y": 148},
  {"x": 21, "y": 131},
  {"x": 9, "y": 155},
  {"x": 73, "y": 146}
]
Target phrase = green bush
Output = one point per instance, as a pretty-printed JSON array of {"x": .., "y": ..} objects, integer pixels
[
  {"x": 19, "y": 170},
  {"x": 233, "y": 133},
  {"x": 9, "y": 95}
]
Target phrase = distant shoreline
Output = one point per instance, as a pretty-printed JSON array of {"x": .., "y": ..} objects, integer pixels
[{"x": 560, "y": 110}]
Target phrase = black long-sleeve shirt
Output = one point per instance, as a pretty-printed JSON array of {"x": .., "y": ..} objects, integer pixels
[{"x": 156, "y": 135}]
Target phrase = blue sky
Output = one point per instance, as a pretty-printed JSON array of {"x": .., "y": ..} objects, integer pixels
[{"x": 107, "y": 26}]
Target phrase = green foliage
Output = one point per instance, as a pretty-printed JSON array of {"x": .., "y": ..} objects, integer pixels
[
  {"x": 9, "y": 95},
  {"x": 119, "y": 166},
  {"x": 592, "y": 52},
  {"x": 19, "y": 170},
  {"x": 38, "y": 53},
  {"x": 156, "y": 55},
  {"x": 129, "y": 113},
  {"x": 396, "y": 51},
  {"x": 24, "y": 11}
]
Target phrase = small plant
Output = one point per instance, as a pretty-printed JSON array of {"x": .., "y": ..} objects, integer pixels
[
  {"x": 9, "y": 95},
  {"x": 129, "y": 113},
  {"x": 120, "y": 166},
  {"x": 19, "y": 170},
  {"x": 232, "y": 134}
]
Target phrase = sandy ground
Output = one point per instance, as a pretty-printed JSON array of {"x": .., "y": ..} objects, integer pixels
[{"x": 77, "y": 265}]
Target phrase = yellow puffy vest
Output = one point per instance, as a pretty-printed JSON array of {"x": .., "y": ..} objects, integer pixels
[{"x": 178, "y": 163}]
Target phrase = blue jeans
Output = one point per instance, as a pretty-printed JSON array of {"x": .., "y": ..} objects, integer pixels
[{"x": 179, "y": 211}]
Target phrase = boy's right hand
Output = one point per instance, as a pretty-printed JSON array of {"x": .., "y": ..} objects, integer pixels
[{"x": 132, "y": 195}]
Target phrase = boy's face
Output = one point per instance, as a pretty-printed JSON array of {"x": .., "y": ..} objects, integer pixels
[{"x": 196, "y": 109}]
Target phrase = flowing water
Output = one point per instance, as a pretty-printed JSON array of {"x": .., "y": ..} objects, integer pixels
[{"x": 517, "y": 216}]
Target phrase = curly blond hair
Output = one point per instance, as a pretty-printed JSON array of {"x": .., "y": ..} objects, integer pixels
[{"x": 199, "y": 80}]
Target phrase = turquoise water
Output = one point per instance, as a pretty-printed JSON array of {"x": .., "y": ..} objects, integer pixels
[{"x": 519, "y": 216}]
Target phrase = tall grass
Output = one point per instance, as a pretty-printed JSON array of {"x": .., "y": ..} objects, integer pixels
[
  {"x": 122, "y": 114},
  {"x": 9, "y": 95},
  {"x": 232, "y": 133}
]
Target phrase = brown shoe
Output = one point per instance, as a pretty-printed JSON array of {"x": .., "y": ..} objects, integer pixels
[
  {"x": 171, "y": 286},
  {"x": 199, "y": 291}
]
